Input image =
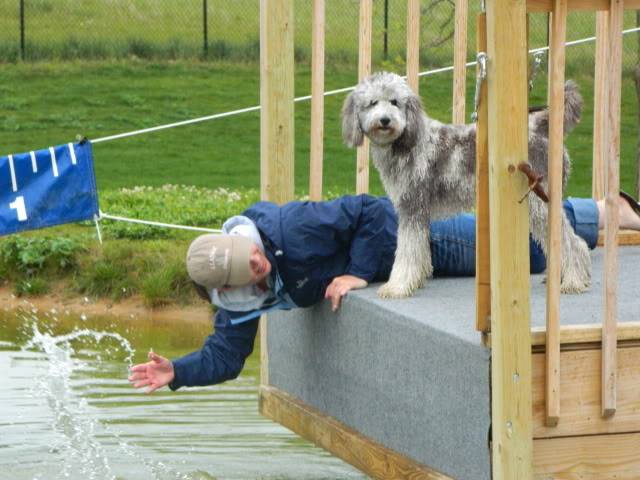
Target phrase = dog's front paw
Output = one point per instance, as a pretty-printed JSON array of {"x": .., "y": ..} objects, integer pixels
[
  {"x": 575, "y": 285},
  {"x": 395, "y": 290}
]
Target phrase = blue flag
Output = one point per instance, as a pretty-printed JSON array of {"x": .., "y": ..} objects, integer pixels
[{"x": 47, "y": 187}]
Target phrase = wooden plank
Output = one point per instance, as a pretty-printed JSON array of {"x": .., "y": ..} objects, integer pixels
[
  {"x": 317, "y": 100},
  {"x": 537, "y": 6},
  {"x": 586, "y": 333},
  {"x": 509, "y": 227},
  {"x": 276, "y": 117},
  {"x": 459, "y": 60},
  {"x": 483, "y": 258},
  {"x": 346, "y": 443},
  {"x": 413, "y": 45},
  {"x": 600, "y": 104},
  {"x": 604, "y": 457},
  {"x": 609, "y": 342},
  {"x": 580, "y": 396},
  {"x": 554, "y": 242},
  {"x": 625, "y": 237},
  {"x": 364, "y": 70},
  {"x": 276, "y": 100}
]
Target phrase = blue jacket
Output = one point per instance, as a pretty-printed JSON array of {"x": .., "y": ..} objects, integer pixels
[{"x": 308, "y": 245}]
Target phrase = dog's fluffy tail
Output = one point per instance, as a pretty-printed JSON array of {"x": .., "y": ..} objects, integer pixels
[{"x": 572, "y": 111}]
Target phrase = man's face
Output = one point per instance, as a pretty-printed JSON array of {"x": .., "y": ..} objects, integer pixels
[{"x": 259, "y": 266}]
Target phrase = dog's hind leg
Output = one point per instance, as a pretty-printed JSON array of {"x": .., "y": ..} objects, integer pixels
[
  {"x": 412, "y": 263},
  {"x": 575, "y": 269}
]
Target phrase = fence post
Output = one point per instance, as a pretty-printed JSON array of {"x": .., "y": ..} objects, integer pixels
[
  {"x": 386, "y": 29},
  {"x": 205, "y": 31},
  {"x": 22, "y": 29}
]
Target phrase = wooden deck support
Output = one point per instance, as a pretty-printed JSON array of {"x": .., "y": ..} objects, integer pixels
[
  {"x": 556, "y": 154},
  {"x": 364, "y": 70},
  {"x": 600, "y": 104},
  {"x": 276, "y": 118},
  {"x": 483, "y": 253},
  {"x": 413, "y": 45},
  {"x": 509, "y": 225},
  {"x": 460, "y": 60},
  {"x": 609, "y": 341},
  {"x": 317, "y": 100}
]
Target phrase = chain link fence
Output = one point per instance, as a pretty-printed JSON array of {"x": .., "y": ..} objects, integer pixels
[{"x": 33, "y": 30}]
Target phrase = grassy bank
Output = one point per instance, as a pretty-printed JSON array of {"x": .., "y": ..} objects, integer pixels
[
  {"x": 134, "y": 260},
  {"x": 46, "y": 104}
]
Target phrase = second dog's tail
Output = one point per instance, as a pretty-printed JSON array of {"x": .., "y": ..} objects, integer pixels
[{"x": 572, "y": 111}]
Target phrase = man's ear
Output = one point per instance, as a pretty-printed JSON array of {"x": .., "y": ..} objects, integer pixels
[
  {"x": 201, "y": 291},
  {"x": 351, "y": 132}
]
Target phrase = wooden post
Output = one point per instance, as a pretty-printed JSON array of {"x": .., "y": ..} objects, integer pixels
[
  {"x": 276, "y": 117},
  {"x": 364, "y": 70},
  {"x": 460, "y": 60},
  {"x": 317, "y": 100},
  {"x": 413, "y": 45},
  {"x": 600, "y": 104},
  {"x": 512, "y": 449},
  {"x": 483, "y": 254},
  {"x": 554, "y": 237},
  {"x": 609, "y": 338}
]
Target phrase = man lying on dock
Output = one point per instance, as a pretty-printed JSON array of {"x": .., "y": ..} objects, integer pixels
[{"x": 296, "y": 255}]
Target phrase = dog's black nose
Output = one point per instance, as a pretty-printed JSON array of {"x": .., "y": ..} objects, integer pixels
[{"x": 385, "y": 121}]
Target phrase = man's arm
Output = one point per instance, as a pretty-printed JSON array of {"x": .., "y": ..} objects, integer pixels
[{"x": 222, "y": 356}]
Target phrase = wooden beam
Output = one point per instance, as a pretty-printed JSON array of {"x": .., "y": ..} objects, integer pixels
[
  {"x": 375, "y": 460},
  {"x": 625, "y": 237},
  {"x": 609, "y": 341},
  {"x": 276, "y": 100},
  {"x": 483, "y": 253},
  {"x": 586, "y": 333},
  {"x": 600, "y": 457},
  {"x": 554, "y": 232},
  {"x": 600, "y": 100},
  {"x": 364, "y": 70},
  {"x": 317, "y": 100},
  {"x": 509, "y": 225},
  {"x": 537, "y": 6},
  {"x": 276, "y": 118},
  {"x": 460, "y": 60},
  {"x": 580, "y": 398},
  {"x": 413, "y": 45}
]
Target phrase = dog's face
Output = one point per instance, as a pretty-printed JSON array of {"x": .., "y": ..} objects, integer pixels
[{"x": 381, "y": 107}]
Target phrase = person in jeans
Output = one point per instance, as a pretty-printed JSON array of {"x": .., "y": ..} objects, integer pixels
[{"x": 296, "y": 255}]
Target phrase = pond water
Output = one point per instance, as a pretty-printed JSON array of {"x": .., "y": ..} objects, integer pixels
[{"x": 68, "y": 412}]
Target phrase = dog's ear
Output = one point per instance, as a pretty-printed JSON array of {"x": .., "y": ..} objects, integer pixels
[
  {"x": 351, "y": 132},
  {"x": 414, "y": 125}
]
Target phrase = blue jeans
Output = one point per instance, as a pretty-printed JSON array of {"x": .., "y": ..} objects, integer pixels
[{"x": 453, "y": 240}]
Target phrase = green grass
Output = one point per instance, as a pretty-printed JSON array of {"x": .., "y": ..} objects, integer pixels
[{"x": 50, "y": 103}]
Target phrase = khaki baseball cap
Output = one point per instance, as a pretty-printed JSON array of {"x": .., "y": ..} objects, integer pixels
[{"x": 214, "y": 261}]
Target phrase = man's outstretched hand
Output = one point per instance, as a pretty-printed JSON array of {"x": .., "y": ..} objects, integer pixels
[
  {"x": 154, "y": 374},
  {"x": 339, "y": 287}
]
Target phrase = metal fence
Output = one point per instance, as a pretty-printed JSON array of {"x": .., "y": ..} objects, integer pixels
[{"x": 33, "y": 30}]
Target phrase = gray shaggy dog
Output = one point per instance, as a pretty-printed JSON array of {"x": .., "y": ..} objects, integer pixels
[{"x": 428, "y": 171}]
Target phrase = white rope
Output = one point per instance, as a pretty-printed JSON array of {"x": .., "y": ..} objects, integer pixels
[
  {"x": 156, "y": 224},
  {"x": 426, "y": 73}
]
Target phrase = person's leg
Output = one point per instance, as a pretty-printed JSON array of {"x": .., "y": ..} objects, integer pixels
[
  {"x": 453, "y": 240},
  {"x": 453, "y": 247},
  {"x": 583, "y": 215},
  {"x": 629, "y": 219}
]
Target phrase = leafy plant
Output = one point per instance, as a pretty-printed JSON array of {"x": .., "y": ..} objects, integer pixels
[{"x": 31, "y": 255}]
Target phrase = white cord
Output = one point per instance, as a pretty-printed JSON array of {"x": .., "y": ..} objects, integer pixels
[
  {"x": 156, "y": 224},
  {"x": 308, "y": 97}
]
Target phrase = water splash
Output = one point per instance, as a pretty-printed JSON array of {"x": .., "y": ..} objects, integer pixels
[{"x": 79, "y": 432}]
